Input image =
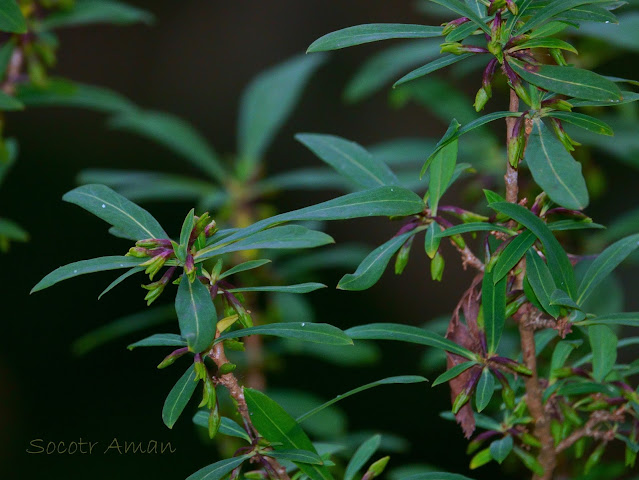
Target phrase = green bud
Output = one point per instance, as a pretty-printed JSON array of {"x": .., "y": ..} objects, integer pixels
[
  {"x": 217, "y": 270},
  {"x": 594, "y": 458},
  {"x": 437, "y": 265},
  {"x": 153, "y": 294},
  {"x": 508, "y": 396},
  {"x": 522, "y": 93},
  {"x": 568, "y": 142},
  {"x": 520, "y": 409},
  {"x": 154, "y": 265},
  {"x": 254, "y": 475},
  {"x": 456, "y": 48},
  {"x": 234, "y": 345},
  {"x": 432, "y": 241},
  {"x": 460, "y": 401},
  {"x": 519, "y": 368},
  {"x": 459, "y": 241},
  {"x": 214, "y": 421},
  {"x": 558, "y": 56},
  {"x": 481, "y": 99},
  {"x": 580, "y": 447},
  {"x": 227, "y": 368},
  {"x": 529, "y": 439},
  {"x": 201, "y": 373},
  {"x": 563, "y": 372},
  {"x": 170, "y": 360},
  {"x": 137, "y": 252},
  {"x": 209, "y": 396},
  {"x": 496, "y": 48},
  {"x": 376, "y": 469},
  {"x": 201, "y": 223},
  {"x": 402, "y": 256},
  {"x": 570, "y": 414},
  {"x": 556, "y": 431}
]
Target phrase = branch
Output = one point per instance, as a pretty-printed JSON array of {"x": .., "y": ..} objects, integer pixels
[{"x": 590, "y": 429}]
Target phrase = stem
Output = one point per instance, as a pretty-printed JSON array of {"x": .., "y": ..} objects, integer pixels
[{"x": 547, "y": 455}]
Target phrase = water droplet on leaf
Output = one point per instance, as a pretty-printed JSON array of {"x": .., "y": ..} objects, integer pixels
[{"x": 103, "y": 205}]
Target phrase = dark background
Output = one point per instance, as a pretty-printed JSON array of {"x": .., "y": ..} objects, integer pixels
[{"x": 194, "y": 62}]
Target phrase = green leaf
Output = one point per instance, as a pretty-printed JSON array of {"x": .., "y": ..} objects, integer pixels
[
  {"x": 308, "y": 332},
  {"x": 512, "y": 254},
  {"x": 552, "y": 10},
  {"x": 120, "y": 279},
  {"x": 603, "y": 343},
  {"x": 558, "y": 262},
  {"x": 431, "y": 67},
  {"x": 559, "y": 297},
  {"x": 175, "y": 134},
  {"x": 299, "y": 288},
  {"x": 219, "y": 470},
  {"x": 268, "y": 101},
  {"x": 589, "y": 13},
  {"x": 432, "y": 239},
  {"x": 453, "y": 372},
  {"x": 7, "y": 102},
  {"x": 11, "y": 18},
  {"x": 441, "y": 172},
  {"x": 160, "y": 340},
  {"x": 407, "y": 333},
  {"x": 116, "y": 210},
  {"x": 628, "y": 97},
  {"x": 547, "y": 42},
  {"x": 196, "y": 314},
  {"x": 373, "y": 266},
  {"x": 227, "y": 426},
  {"x": 623, "y": 36},
  {"x": 541, "y": 281},
  {"x": 402, "y": 379},
  {"x": 350, "y": 159},
  {"x": 464, "y": 11},
  {"x": 301, "y": 456},
  {"x": 561, "y": 353},
  {"x": 436, "y": 476},
  {"x": 83, "y": 267},
  {"x": 474, "y": 227},
  {"x": 484, "y": 390},
  {"x": 87, "y": 12},
  {"x": 494, "y": 309},
  {"x": 626, "y": 318},
  {"x": 569, "y": 81},
  {"x": 284, "y": 237},
  {"x": 584, "y": 121},
  {"x": 179, "y": 396},
  {"x": 372, "y": 32},
  {"x": 61, "y": 92},
  {"x": 604, "y": 264},
  {"x": 277, "y": 426},
  {"x": 185, "y": 235},
  {"x": 361, "y": 456},
  {"x": 123, "y": 326},
  {"x": 565, "y": 225},
  {"x": 12, "y": 231},
  {"x": 243, "y": 267},
  {"x": 554, "y": 169},
  {"x": 500, "y": 449}
]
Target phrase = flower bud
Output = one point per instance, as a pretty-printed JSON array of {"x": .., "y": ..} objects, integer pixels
[
  {"x": 138, "y": 252},
  {"x": 558, "y": 56},
  {"x": 210, "y": 229},
  {"x": 481, "y": 99},
  {"x": 172, "y": 357},
  {"x": 227, "y": 368},
  {"x": 189, "y": 268},
  {"x": 460, "y": 401},
  {"x": 376, "y": 469},
  {"x": 402, "y": 256},
  {"x": 153, "y": 243},
  {"x": 512, "y": 7},
  {"x": 214, "y": 421},
  {"x": 234, "y": 345},
  {"x": 557, "y": 104},
  {"x": 517, "y": 142},
  {"x": 568, "y": 142},
  {"x": 156, "y": 288},
  {"x": 437, "y": 265},
  {"x": 154, "y": 265},
  {"x": 201, "y": 372},
  {"x": 450, "y": 26},
  {"x": 209, "y": 395}
]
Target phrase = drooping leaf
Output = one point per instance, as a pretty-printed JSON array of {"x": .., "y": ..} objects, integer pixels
[
  {"x": 219, "y": 470},
  {"x": 178, "y": 397},
  {"x": 308, "y": 332},
  {"x": 541, "y": 281},
  {"x": 277, "y": 426},
  {"x": 116, "y": 210},
  {"x": 512, "y": 254},
  {"x": 500, "y": 449},
  {"x": 404, "y": 379},
  {"x": 349, "y": 159},
  {"x": 484, "y": 390},
  {"x": 494, "y": 309},
  {"x": 407, "y": 333},
  {"x": 87, "y": 12},
  {"x": 160, "y": 340},
  {"x": 268, "y": 101},
  {"x": 301, "y": 456},
  {"x": 11, "y": 18},
  {"x": 604, "y": 264},
  {"x": 441, "y": 172},
  {"x": 175, "y": 134},
  {"x": 554, "y": 169},
  {"x": 372, "y": 32},
  {"x": 243, "y": 267},
  {"x": 586, "y": 122},
  {"x": 603, "y": 343},
  {"x": 558, "y": 262},
  {"x": 361, "y": 456},
  {"x": 196, "y": 314},
  {"x": 299, "y": 288},
  {"x": 570, "y": 81},
  {"x": 431, "y": 67},
  {"x": 83, "y": 267},
  {"x": 559, "y": 297},
  {"x": 373, "y": 266},
  {"x": 120, "y": 279}
]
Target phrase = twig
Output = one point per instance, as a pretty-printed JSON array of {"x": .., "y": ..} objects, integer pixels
[{"x": 590, "y": 429}]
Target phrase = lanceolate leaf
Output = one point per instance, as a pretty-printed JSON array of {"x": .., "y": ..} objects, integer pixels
[
  {"x": 628, "y": 97},
  {"x": 160, "y": 340},
  {"x": 431, "y": 67},
  {"x": 308, "y": 332},
  {"x": 277, "y": 426},
  {"x": 603, "y": 342},
  {"x": 116, "y": 210},
  {"x": 512, "y": 254},
  {"x": 548, "y": 42},
  {"x": 453, "y": 372},
  {"x": 558, "y": 262},
  {"x": 464, "y": 10},
  {"x": 584, "y": 121},
  {"x": 185, "y": 235},
  {"x": 196, "y": 314},
  {"x": 436, "y": 476},
  {"x": 441, "y": 172},
  {"x": 301, "y": 456},
  {"x": 178, "y": 397},
  {"x": 120, "y": 279},
  {"x": 604, "y": 264},
  {"x": 403, "y": 379},
  {"x": 541, "y": 281},
  {"x": 553, "y": 10},
  {"x": 85, "y": 266},
  {"x": 407, "y": 333},
  {"x": 243, "y": 267},
  {"x": 86, "y": 12},
  {"x": 554, "y": 169},
  {"x": 569, "y": 81},
  {"x": 299, "y": 288},
  {"x": 500, "y": 449},
  {"x": 219, "y": 470},
  {"x": 485, "y": 389},
  {"x": 372, "y": 32},
  {"x": 349, "y": 159},
  {"x": 11, "y": 18},
  {"x": 373, "y": 266},
  {"x": 361, "y": 456},
  {"x": 628, "y": 319},
  {"x": 494, "y": 309},
  {"x": 227, "y": 426},
  {"x": 474, "y": 227},
  {"x": 268, "y": 101}
]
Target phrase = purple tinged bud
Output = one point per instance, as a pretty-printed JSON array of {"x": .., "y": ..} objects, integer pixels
[
  {"x": 510, "y": 73},
  {"x": 512, "y": 7},
  {"x": 450, "y": 26},
  {"x": 189, "y": 268},
  {"x": 154, "y": 243},
  {"x": 138, "y": 252},
  {"x": 557, "y": 104},
  {"x": 489, "y": 74},
  {"x": 154, "y": 265},
  {"x": 210, "y": 229},
  {"x": 456, "y": 48},
  {"x": 437, "y": 265},
  {"x": 172, "y": 357},
  {"x": 481, "y": 99}
]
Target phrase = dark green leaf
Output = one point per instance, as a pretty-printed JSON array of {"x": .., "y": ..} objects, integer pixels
[
  {"x": 541, "y": 281},
  {"x": 12, "y": 231},
  {"x": 11, "y": 18},
  {"x": 622, "y": 35},
  {"x": 116, "y": 210},
  {"x": 474, "y": 227},
  {"x": 85, "y": 266},
  {"x": 373, "y": 266},
  {"x": 453, "y": 372},
  {"x": 160, "y": 340},
  {"x": 407, "y": 333},
  {"x": 564, "y": 225},
  {"x": 308, "y": 332},
  {"x": 267, "y": 102},
  {"x": 603, "y": 343},
  {"x": 178, "y": 397},
  {"x": 494, "y": 309},
  {"x": 86, "y": 12},
  {"x": 299, "y": 288},
  {"x": 220, "y": 469},
  {"x": 584, "y": 121},
  {"x": 243, "y": 267},
  {"x": 349, "y": 159},
  {"x": 436, "y": 476},
  {"x": 500, "y": 449},
  {"x": 484, "y": 390},
  {"x": 604, "y": 264},
  {"x": 569, "y": 81},
  {"x": 512, "y": 254},
  {"x": 7, "y": 102},
  {"x": 403, "y": 379},
  {"x": 464, "y": 10},
  {"x": 628, "y": 97},
  {"x": 227, "y": 426},
  {"x": 432, "y": 239},
  {"x": 372, "y": 32},
  {"x": 552, "y": 10},
  {"x": 561, "y": 353},
  {"x": 559, "y": 297},
  {"x": 589, "y": 13},
  {"x": 554, "y": 169},
  {"x": 120, "y": 279},
  {"x": 361, "y": 456},
  {"x": 301, "y": 456},
  {"x": 196, "y": 314},
  {"x": 547, "y": 42},
  {"x": 558, "y": 262},
  {"x": 185, "y": 235},
  {"x": 431, "y": 67},
  {"x": 630, "y": 319},
  {"x": 441, "y": 172}
]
